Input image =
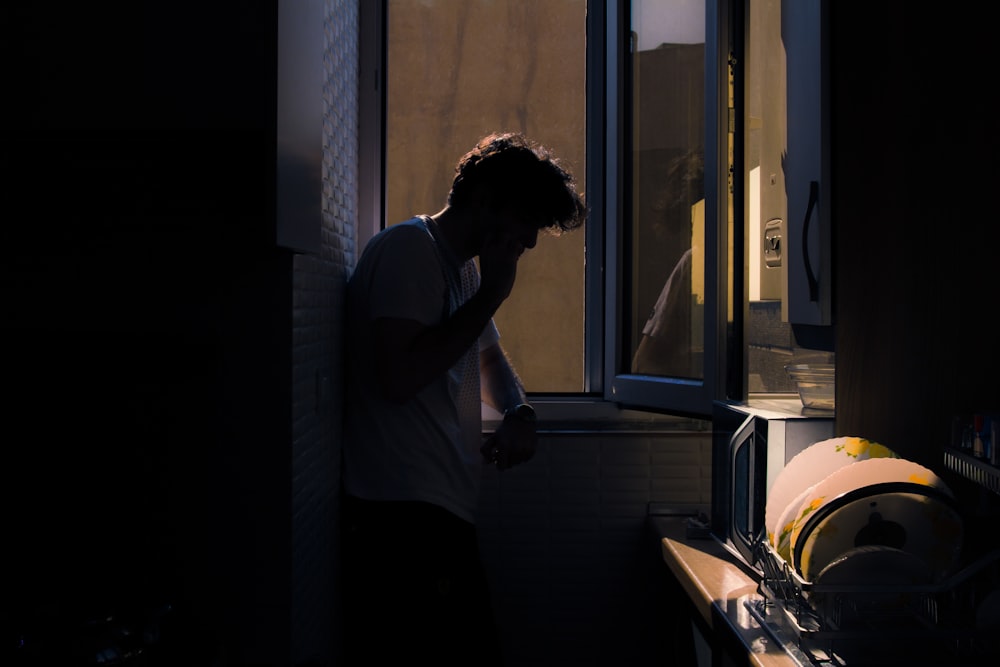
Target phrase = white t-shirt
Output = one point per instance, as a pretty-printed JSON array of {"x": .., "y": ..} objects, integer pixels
[{"x": 428, "y": 447}]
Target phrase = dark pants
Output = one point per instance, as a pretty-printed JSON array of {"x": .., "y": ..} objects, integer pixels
[{"x": 414, "y": 587}]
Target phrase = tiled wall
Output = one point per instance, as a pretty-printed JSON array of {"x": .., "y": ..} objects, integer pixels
[
  {"x": 573, "y": 568},
  {"x": 317, "y": 357}
]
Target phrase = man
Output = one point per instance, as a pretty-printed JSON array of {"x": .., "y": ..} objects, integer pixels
[{"x": 423, "y": 355}]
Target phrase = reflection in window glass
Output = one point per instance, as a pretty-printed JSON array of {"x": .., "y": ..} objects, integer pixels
[
  {"x": 771, "y": 341},
  {"x": 458, "y": 70},
  {"x": 666, "y": 216}
]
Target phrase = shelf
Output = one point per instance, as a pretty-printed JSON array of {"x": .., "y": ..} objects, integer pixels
[{"x": 980, "y": 472}]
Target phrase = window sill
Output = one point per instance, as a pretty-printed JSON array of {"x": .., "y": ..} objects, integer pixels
[{"x": 587, "y": 415}]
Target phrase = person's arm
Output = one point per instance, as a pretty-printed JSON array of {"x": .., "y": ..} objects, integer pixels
[
  {"x": 501, "y": 387},
  {"x": 515, "y": 438},
  {"x": 409, "y": 354}
]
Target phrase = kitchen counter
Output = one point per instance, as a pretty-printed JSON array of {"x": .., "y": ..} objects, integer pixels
[{"x": 718, "y": 584}]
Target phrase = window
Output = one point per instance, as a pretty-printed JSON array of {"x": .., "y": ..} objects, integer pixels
[
  {"x": 665, "y": 348},
  {"x": 646, "y": 306},
  {"x": 457, "y": 70}
]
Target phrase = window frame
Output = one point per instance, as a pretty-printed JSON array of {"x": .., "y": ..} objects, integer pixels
[
  {"x": 674, "y": 395},
  {"x": 608, "y": 393}
]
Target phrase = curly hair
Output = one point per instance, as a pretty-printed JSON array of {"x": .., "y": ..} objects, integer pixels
[{"x": 521, "y": 176}]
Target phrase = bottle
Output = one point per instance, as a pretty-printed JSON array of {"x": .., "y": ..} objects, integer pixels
[{"x": 978, "y": 446}]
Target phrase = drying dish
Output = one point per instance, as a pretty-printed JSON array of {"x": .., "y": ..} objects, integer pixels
[
  {"x": 809, "y": 467},
  {"x": 920, "y": 520},
  {"x": 875, "y": 566},
  {"x": 880, "y": 570},
  {"x": 786, "y": 522},
  {"x": 859, "y": 475}
]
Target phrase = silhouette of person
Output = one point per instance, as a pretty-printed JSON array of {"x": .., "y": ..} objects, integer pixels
[{"x": 424, "y": 355}]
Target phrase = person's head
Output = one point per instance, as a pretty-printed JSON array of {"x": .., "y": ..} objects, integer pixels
[{"x": 508, "y": 174}]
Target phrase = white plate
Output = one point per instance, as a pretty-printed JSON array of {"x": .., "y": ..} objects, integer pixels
[
  {"x": 875, "y": 565},
  {"x": 812, "y": 465},
  {"x": 786, "y": 522},
  {"x": 872, "y": 567},
  {"x": 860, "y": 474},
  {"x": 887, "y": 502}
]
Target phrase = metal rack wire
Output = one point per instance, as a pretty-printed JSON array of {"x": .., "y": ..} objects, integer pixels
[
  {"x": 980, "y": 472},
  {"x": 827, "y": 621}
]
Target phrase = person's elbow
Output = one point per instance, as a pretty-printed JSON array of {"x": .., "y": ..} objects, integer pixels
[{"x": 491, "y": 358}]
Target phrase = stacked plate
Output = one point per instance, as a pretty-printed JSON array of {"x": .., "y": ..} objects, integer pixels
[
  {"x": 847, "y": 496},
  {"x": 804, "y": 470}
]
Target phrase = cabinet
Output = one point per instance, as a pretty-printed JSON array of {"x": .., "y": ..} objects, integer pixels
[
  {"x": 913, "y": 345},
  {"x": 808, "y": 242},
  {"x": 299, "y": 135}
]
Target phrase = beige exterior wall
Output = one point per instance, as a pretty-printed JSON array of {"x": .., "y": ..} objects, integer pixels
[{"x": 459, "y": 69}]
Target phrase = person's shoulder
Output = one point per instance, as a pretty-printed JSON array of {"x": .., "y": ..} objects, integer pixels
[
  {"x": 403, "y": 241},
  {"x": 408, "y": 229},
  {"x": 416, "y": 222}
]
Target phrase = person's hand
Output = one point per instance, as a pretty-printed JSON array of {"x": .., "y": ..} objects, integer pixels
[
  {"x": 513, "y": 442},
  {"x": 498, "y": 263}
]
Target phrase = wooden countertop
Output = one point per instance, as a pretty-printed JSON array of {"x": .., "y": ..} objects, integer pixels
[{"x": 716, "y": 581}]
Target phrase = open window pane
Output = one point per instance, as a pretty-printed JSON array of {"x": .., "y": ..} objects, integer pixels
[
  {"x": 665, "y": 224},
  {"x": 675, "y": 234}
]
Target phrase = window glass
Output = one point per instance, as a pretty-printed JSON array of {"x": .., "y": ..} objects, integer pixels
[
  {"x": 769, "y": 174},
  {"x": 683, "y": 299},
  {"x": 457, "y": 70},
  {"x": 665, "y": 206}
]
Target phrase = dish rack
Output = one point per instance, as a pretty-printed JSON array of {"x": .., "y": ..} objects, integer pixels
[
  {"x": 976, "y": 470},
  {"x": 826, "y": 623}
]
